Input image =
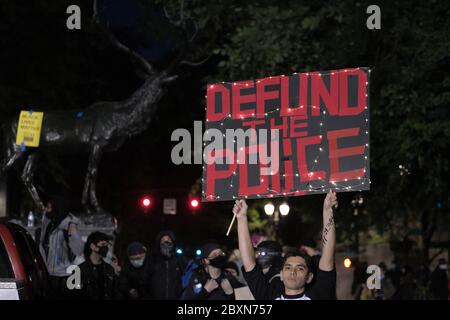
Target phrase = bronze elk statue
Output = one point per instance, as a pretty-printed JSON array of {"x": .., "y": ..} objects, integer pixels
[{"x": 101, "y": 127}]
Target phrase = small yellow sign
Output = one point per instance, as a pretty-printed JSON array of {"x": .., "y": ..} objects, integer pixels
[{"x": 29, "y": 128}]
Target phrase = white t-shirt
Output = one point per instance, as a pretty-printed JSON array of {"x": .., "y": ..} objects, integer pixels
[{"x": 293, "y": 297}]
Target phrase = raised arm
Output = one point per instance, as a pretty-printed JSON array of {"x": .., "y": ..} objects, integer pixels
[
  {"x": 75, "y": 242},
  {"x": 326, "y": 262},
  {"x": 245, "y": 242}
]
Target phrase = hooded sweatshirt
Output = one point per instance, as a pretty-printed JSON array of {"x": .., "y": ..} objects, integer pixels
[
  {"x": 55, "y": 241},
  {"x": 166, "y": 271}
]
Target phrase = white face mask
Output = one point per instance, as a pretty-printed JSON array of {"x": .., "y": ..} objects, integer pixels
[
  {"x": 443, "y": 266},
  {"x": 137, "y": 263}
]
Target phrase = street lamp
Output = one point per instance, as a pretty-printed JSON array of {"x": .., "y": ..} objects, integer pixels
[
  {"x": 347, "y": 263},
  {"x": 283, "y": 209},
  {"x": 269, "y": 209}
]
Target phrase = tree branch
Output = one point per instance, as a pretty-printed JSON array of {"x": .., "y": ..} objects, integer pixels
[
  {"x": 137, "y": 57},
  {"x": 195, "y": 64},
  {"x": 435, "y": 256}
]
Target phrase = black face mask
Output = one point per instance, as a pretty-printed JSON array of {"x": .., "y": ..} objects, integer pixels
[
  {"x": 103, "y": 251},
  {"x": 166, "y": 248},
  {"x": 218, "y": 262}
]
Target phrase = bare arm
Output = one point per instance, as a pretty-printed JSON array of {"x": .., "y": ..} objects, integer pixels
[
  {"x": 326, "y": 262},
  {"x": 245, "y": 242}
]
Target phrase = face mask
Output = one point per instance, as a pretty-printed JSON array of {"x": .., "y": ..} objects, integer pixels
[
  {"x": 218, "y": 262},
  {"x": 443, "y": 266},
  {"x": 103, "y": 251},
  {"x": 264, "y": 261},
  {"x": 166, "y": 248},
  {"x": 137, "y": 263}
]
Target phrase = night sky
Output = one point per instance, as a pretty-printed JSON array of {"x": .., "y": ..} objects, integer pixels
[{"x": 48, "y": 67}]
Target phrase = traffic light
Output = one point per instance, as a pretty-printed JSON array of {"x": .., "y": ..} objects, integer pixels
[
  {"x": 194, "y": 203},
  {"x": 145, "y": 203}
]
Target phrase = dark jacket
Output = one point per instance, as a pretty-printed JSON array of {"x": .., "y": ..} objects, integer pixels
[
  {"x": 135, "y": 278},
  {"x": 98, "y": 282},
  {"x": 274, "y": 289},
  {"x": 166, "y": 272},
  {"x": 195, "y": 289}
]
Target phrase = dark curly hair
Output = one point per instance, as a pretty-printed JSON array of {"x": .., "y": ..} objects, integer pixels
[{"x": 298, "y": 253}]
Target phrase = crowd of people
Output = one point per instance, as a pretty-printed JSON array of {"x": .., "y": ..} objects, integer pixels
[{"x": 160, "y": 273}]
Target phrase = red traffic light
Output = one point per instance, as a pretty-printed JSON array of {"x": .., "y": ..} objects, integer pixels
[
  {"x": 194, "y": 203},
  {"x": 146, "y": 202}
]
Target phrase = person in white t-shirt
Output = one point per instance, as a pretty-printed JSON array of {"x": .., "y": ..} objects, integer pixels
[{"x": 296, "y": 271}]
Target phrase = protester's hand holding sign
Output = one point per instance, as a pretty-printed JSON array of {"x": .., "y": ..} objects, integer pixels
[
  {"x": 328, "y": 232},
  {"x": 240, "y": 209},
  {"x": 330, "y": 201}
]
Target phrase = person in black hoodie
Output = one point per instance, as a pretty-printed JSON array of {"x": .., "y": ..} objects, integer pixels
[
  {"x": 166, "y": 268},
  {"x": 134, "y": 279},
  {"x": 211, "y": 281}
]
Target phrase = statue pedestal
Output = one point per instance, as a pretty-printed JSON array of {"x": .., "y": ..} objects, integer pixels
[{"x": 88, "y": 223}]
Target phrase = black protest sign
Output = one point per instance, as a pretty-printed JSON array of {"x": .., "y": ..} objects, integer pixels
[{"x": 287, "y": 135}]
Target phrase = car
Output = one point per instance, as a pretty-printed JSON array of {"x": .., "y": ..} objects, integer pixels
[{"x": 23, "y": 274}]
